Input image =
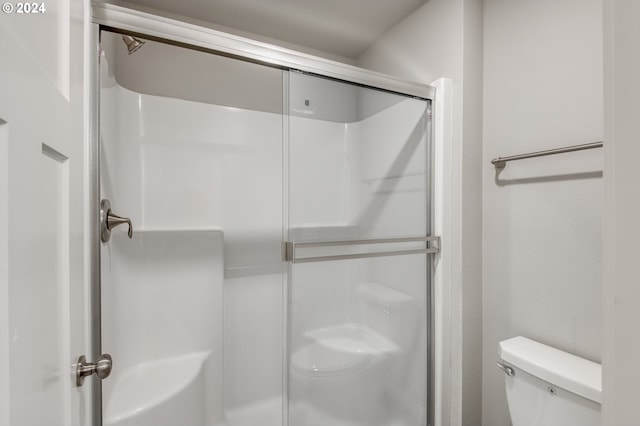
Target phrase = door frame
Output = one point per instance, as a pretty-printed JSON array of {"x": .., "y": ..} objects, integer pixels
[{"x": 92, "y": 218}]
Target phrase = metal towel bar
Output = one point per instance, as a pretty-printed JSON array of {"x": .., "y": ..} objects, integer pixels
[
  {"x": 501, "y": 162},
  {"x": 291, "y": 246}
]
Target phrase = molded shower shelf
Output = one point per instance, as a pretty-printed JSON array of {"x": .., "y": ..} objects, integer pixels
[
  {"x": 158, "y": 390},
  {"x": 355, "y": 338}
]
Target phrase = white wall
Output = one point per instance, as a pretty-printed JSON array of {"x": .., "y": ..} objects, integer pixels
[
  {"x": 621, "y": 296},
  {"x": 443, "y": 39},
  {"x": 542, "y": 217}
]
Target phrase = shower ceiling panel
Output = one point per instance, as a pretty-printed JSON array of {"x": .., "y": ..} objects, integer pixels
[{"x": 341, "y": 27}]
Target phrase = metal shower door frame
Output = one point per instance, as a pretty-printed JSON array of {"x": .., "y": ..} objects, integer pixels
[{"x": 125, "y": 20}]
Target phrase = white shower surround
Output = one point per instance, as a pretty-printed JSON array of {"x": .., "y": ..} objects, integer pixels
[
  {"x": 150, "y": 220},
  {"x": 153, "y": 145},
  {"x": 202, "y": 161}
]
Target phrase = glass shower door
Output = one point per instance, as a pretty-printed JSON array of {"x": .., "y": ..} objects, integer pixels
[
  {"x": 191, "y": 301},
  {"x": 359, "y": 252}
]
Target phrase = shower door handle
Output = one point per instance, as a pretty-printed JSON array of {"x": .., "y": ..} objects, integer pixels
[
  {"x": 108, "y": 221},
  {"x": 291, "y": 247}
]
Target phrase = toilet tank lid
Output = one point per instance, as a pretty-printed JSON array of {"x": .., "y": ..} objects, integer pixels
[{"x": 575, "y": 374}]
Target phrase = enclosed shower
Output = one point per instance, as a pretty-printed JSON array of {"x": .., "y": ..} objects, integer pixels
[{"x": 280, "y": 265}]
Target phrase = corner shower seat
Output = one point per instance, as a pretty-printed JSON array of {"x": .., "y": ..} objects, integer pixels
[
  {"x": 340, "y": 348},
  {"x": 160, "y": 393}
]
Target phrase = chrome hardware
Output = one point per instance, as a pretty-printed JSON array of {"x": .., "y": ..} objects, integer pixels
[
  {"x": 108, "y": 221},
  {"x": 102, "y": 368},
  {"x": 501, "y": 162},
  {"x": 507, "y": 370}
]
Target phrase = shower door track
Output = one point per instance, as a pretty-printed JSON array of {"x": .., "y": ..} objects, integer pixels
[{"x": 190, "y": 35}]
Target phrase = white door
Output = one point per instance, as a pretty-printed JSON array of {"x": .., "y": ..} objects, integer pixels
[{"x": 42, "y": 315}]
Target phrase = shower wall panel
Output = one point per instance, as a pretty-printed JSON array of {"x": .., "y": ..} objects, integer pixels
[
  {"x": 393, "y": 171},
  {"x": 179, "y": 167},
  {"x": 395, "y": 174},
  {"x": 363, "y": 178},
  {"x": 322, "y": 175}
]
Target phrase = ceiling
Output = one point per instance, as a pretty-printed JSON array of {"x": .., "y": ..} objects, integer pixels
[{"x": 340, "y": 27}]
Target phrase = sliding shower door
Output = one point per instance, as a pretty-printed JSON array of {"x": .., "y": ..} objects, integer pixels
[
  {"x": 209, "y": 321},
  {"x": 359, "y": 248}
]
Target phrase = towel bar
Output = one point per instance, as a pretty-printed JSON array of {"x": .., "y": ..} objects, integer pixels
[{"x": 501, "y": 162}]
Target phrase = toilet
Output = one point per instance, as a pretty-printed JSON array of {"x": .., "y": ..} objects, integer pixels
[{"x": 548, "y": 387}]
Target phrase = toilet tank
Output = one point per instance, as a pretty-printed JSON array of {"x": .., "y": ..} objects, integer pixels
[{"x": 550, "y": 387}]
